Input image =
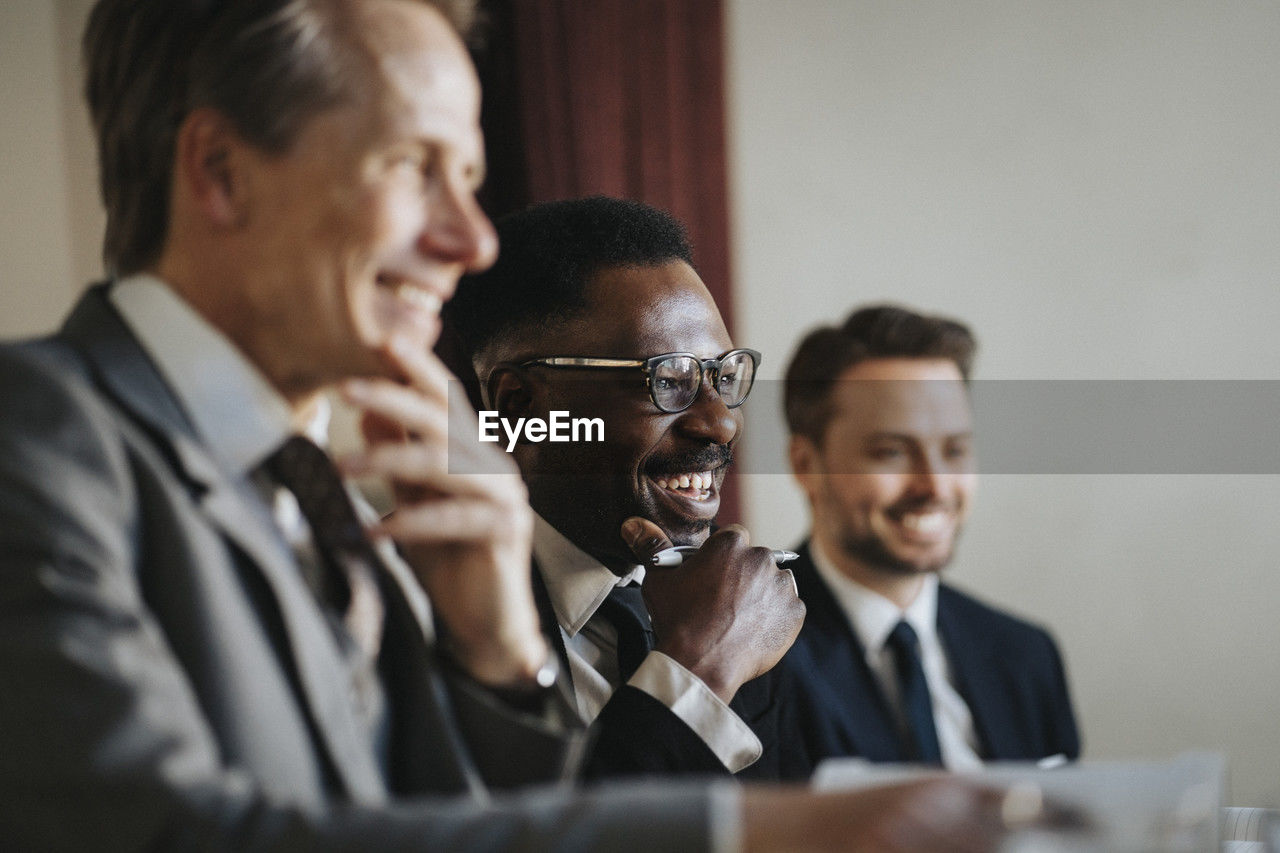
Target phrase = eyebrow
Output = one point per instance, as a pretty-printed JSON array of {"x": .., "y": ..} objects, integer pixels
[{"x": 883, "y": 435}]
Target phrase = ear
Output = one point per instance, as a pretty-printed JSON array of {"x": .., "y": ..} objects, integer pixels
[
  {"x": 511, "y": 392},
  {"x": 209, "y": 164},
  {"x": 806, "y": 462}
]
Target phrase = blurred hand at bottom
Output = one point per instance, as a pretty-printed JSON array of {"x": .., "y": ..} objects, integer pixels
[{"x": 943, "y": 814}]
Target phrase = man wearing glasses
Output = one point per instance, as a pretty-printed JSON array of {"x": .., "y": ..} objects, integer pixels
[{"x": 594, "y": 308}]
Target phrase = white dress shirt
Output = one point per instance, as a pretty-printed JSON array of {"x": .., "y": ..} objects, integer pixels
[
  {"x": 238, "y": 415},
  {"x": 873, "y": 617},
  {"x": 235, "y": 411},
  {"x": 578, "y": 584}
]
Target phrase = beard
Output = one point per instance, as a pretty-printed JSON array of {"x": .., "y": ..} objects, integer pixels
[
  {"x": 872, "y": 551},
  {"x": 684, "y": 531}
]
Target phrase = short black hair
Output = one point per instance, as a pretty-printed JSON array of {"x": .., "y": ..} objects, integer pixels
[
  {"x": 547, "y": 254},
  {"x": 878, "y": 331}
]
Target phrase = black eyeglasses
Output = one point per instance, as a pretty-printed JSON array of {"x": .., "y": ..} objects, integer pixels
[{"x": 675, "y": 377}]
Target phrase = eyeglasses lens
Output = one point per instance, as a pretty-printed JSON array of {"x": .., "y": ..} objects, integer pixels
[
  {"x": 736, "y": 375},
  {"x": 675, "y": 383}
]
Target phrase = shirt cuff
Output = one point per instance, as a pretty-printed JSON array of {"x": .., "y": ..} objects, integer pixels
[{"x": 700, "y": 709}]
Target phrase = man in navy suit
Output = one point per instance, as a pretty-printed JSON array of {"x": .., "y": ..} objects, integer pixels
[{"x": 891, "y": 664}]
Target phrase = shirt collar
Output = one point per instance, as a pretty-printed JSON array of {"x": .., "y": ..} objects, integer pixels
[
  {"x": 233, "y": 408},
  {"x": 873, "y": 616},
  {"x": 576, "y": 582}
]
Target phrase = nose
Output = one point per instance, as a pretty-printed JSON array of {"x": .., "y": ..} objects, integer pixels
[
  {"x": 457, "y": 231},
  {"x": 934, "y": 476},
  {"x": 928, "y": 477},
  {"x": 709, "y": 419},
  {"x": 926, "y": 482}
]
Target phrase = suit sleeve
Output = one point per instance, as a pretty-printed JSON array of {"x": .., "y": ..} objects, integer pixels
[
  {"x": 1062, "y": 718},
  {"x": 105, "y": 744},
  {"x": 665, "y": 721},
  {"x": 512, "y": 748},
  {"x": 636, "y": 735},
  {"x": 509, "y": 746}
]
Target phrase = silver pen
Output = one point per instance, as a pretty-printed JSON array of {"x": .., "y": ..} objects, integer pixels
[{"x": 668, "y": 557}]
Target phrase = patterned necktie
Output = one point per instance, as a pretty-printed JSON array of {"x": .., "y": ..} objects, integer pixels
[
  {"x": 917, "y": 705},
  {"x": 349, "y": 585},
  {"x": 625, "y": 611}
]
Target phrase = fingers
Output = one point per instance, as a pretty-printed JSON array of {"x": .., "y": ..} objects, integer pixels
[
  {"x": 644, "y": 538},
  {"x": 415, "y": 437},
  {"x": 406, "y": 406},
  {"x": 912, "y": 817},
  {"x": 958, "y": 815},
  {"x": 432, "y": 467},
  {"x": 427, "y": 391},
  {"x": 419, "y": 367},
  {"x": 419, "y": 437},
  {"x": 377, "y": 428},
  {"x": 730, "y": 536},
  {"x": 461, "y": 519}
]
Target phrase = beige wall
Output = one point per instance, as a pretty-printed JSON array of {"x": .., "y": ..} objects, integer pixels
[
  {"x": 85, "y": 217},
  {"x": 1092, "y": 185},
  {"x": 52, "y": 219},
  {"x": 35, "y": 239}
]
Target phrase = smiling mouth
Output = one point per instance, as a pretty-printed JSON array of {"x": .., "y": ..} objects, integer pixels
[
  {"x": 926, "y": 522},
  {"x": 694, "y": 485},
  {"x": 926, "y": 526},
  {"x": 420, "y": 298}
]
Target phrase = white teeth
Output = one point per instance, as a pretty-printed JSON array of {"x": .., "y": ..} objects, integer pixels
[
  {"x": 931, "y": 522},
  {"x": 424, "y": 299},
  {"x": 700, "y": 481}
]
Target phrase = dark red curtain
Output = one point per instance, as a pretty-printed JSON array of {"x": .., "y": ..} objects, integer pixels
[{"x": 614, "y": 97}]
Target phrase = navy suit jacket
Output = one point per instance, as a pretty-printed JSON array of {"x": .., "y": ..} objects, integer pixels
[{"x": 1008, "y": 672}]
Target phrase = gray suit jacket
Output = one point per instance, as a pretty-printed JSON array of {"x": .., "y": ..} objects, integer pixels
[{"x": 168, "y": 681}]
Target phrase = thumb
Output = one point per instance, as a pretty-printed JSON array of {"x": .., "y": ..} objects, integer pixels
[{"x": 644, "y": 538}]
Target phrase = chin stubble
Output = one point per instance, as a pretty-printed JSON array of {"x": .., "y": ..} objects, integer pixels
[{"x": 872, "y": 551}]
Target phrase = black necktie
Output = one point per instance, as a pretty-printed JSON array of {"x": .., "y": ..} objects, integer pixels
[
  {"x": 917, "y": 706},
  {"x": 625, "y": 611},
  {"x": 349, "y": 584}
]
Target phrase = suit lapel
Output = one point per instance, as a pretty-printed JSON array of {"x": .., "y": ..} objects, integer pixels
[
  {"x": 977, "y": 673},
  {"x": 551, "y": 630},
  {"x": 128, "y": 375},
  {"x": 863, "y": 712},
  {"x": 424, "y": 734}
]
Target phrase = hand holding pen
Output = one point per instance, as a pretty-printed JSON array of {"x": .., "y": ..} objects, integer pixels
[
  {"x": 675, "y": 555},
  {"x": 726, "y": 611}
]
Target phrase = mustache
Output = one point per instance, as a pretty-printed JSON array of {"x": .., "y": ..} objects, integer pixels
[
  {"x": 707, "y": 459},
  {"x": 925, "y": 504}
]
